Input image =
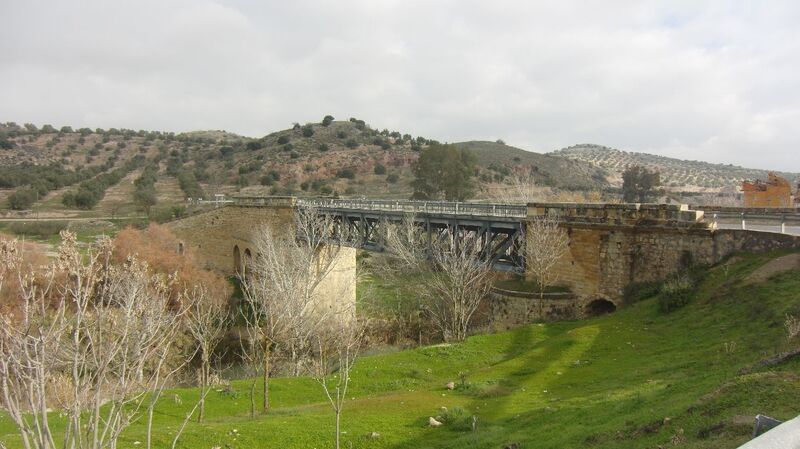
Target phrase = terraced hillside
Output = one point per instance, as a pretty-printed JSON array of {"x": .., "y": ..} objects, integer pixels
[
  {"x": 676, "y": 174},
  {"x": 346, "y": 158}
]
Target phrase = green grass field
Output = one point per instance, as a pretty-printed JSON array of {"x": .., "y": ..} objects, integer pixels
[{"x": 608, "y": 382}]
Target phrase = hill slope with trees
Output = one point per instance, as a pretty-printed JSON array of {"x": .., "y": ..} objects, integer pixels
[
  {"x": 676, "y": 174},
  {"x": 75, "y": 167}
]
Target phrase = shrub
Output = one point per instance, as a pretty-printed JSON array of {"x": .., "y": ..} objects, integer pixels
[
  {"x": 380, "y": 169},
  {"x": 637, "y": 291},
  {"x": 676, "y": 293},
  {"x": 457, "y": 419},
  {"x": 347, "y": 173},
  {"x": 327, "y": 120},
  {"x": 159, "y": 248},
  {"x": 341, "y": 134},
  {"x": 42, "y": 229},
  {"x": 225, "y": 152},
  {"x": 294, "y": 155},
  {"x": 393, "y": 178},
  {"x": 23, "y": 198},
  {"x": 288, "y": 147},
  {"x": 323, "y": 147},
  {"x": 253, "y": 145},
  {"x": 188, "y": 183},
  {"x": 283, "y": 140},
  {"x": 270, "y": 178},
  {"x": 351, "y": 143},
  {"x": 308, "y": 131}
]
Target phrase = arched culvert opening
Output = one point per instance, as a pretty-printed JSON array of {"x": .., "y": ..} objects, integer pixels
[{"x": 600, "y": 307}]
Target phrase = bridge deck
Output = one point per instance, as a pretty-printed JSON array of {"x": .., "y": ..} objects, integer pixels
[{"x": 421, "y": 207}]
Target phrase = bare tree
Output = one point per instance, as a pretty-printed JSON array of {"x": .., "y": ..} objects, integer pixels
[
  {"x": 283, "y": 294},
  {"x": 521, "y": 189},
  {"x": 338, "y": 345},
  {"x": 103, "y": 333},
  {"x": 206, "y": 320},
  {"x": 545, "y": 244},
  {"x": 452, "y": 276}
]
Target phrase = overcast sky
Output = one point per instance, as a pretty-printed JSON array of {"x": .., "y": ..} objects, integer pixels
[{"x": 707, "y": 80}]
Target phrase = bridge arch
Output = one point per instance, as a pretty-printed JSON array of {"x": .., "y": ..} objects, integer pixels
[
  {"x": 599, "y": 306},
  {"x": 237, "y": 259}
]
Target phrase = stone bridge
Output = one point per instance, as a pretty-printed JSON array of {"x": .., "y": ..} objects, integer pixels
[{"x": 610, "y": 245}]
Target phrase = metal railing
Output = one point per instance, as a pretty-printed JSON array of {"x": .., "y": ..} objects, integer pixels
[
  {"x": 421, "y": 207},
  {"x": 783, "y": 223}
]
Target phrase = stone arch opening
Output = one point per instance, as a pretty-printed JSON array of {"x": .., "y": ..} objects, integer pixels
[
  {"x": 237, "y": 259},
  {"x": 599, "y": 307}
]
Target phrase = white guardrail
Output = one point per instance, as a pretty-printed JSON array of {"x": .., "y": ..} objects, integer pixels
[{"x": 421, "y": 207}]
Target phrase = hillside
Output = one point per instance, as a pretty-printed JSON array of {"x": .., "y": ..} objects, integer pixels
[
  {"x": 676, "y": 174},
  {"x": 346, "y": 158},
  {"x": 637, "y": 378},
  {"x": 549, "y": 170}
]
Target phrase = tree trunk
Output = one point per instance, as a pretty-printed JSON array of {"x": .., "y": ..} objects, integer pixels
[
  {"x": 203, "y": 386},
  {"x": 541, "y": 302},
  {"x": 253, "y": 398},
  {"x": 265, "y": 398},
  {"x": 338, "y": 430}
]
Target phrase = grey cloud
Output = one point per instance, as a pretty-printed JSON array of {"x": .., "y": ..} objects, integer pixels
[{"x": 714, "y": 81}]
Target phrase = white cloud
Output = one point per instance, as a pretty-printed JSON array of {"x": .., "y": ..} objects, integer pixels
[{"x": 713, "y": 81}]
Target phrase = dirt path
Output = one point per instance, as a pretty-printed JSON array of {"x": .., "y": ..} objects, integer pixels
[{"x": 773, "y": 267}]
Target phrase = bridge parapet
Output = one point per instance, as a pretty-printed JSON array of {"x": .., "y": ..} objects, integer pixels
[
  {"x": 621, "y": 214},
  {"x": 265, "y": 201},
  {"x": 421, "y": 207}
]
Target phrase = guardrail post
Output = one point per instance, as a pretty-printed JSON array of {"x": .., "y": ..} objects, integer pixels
[
  {"x": 744, "y": 225},
  {"x": 783, "y": 224}
]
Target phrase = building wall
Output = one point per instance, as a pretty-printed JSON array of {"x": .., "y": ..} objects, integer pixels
[
  {"x": 775, "y": 192},
  {"x": 777, "y": 196}
]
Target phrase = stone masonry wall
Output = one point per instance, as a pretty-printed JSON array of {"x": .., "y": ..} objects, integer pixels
[
  {"x": 603, "y": 260},
  {"x": 214, "y": 236},
  {"x": 508, "y": 310}
]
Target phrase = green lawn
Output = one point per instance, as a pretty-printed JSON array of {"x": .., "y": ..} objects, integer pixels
[{"x": 602, "y": 383}]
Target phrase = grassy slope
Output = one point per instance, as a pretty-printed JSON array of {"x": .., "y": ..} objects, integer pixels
[{"x": 605, "y": 383}]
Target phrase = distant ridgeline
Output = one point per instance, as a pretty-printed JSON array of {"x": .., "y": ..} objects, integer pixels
[{"x": 675, "y": 173}]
